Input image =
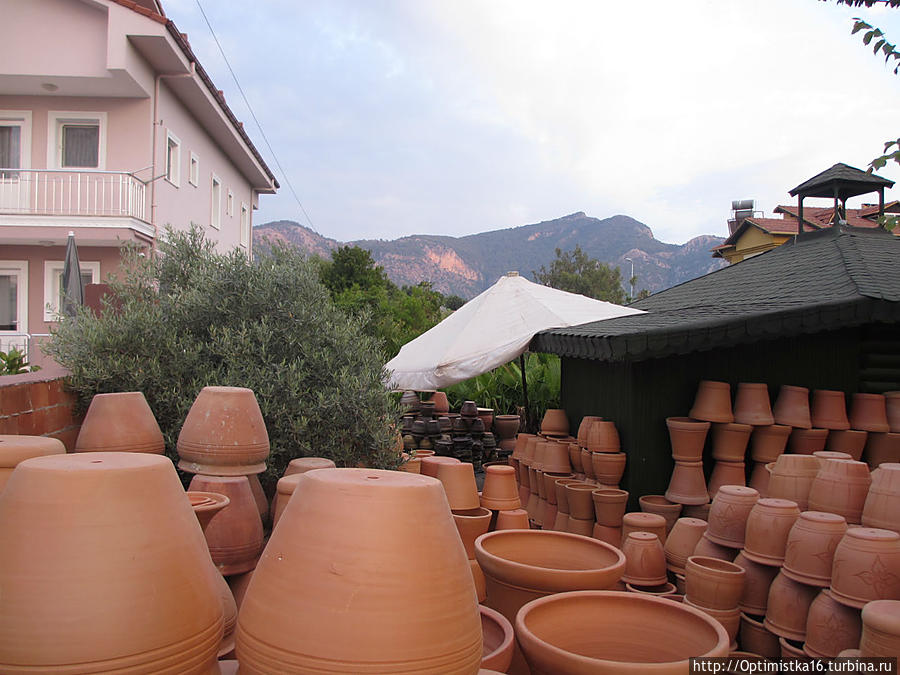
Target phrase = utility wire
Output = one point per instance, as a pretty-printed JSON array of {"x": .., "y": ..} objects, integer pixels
[{"x": 253, "y": 115}]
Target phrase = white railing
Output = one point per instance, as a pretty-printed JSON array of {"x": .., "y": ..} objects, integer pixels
[{"x": 72, "y": 193}]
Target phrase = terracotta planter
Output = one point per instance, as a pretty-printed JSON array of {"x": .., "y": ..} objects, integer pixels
[
  {"x": 726, "y": 473},
  {"x": 468, "y": 409},
  {"x": 700, "y": 511},
  {"x": 792, "y": 407},
  {"x": 767, "y": 443},
  {"x": 809, "y": 554},
  {"x": 807, "y": 441},
  {"x": 304, "y": 464},
  {"x": 506, "y": 426},
  {"x": 865, "y": 567},
  {"x": 757, "y": 581},
  {"x": 642, "y": 634},
  {"x": 849, "y": 441},
  {"x": 104, "y": 568},
  {"x": 831, "y": 627},
  {"x": 688, "y": 437},
  {"x": 555, "y": 422},
  {"x": 556, "y": 458},
  {"x": 768, "y": 525},
  {"x": 584, "y": 427},
  {"x": 729, "y": 619},
  {"x": 471, "y": 524},
  {"x": 757, "y": 639},
  {"x": 611, "y": 535},
  {"x": 759, "y": 478},
  {"x": 829, "y": 410},
  {"x": 882, "y": 506},
  {"x": 580, "y": 526},
  {"x": 579, "y": 499},
  {"x": 459, "y": 484},
  {"x": 521, "y": 441},
  {"x": 868, "y": 412},
  {"x": 608, "y": 467},
  {"x": 687, "y": 484},
  {"x": 791, "y": 477},
  {"x": 16, "y": 449},
  {"x": 729, "y": 441},
  {"x": 562, "y": 503},
  {"x": 644, "y": 522},
  {"x": 514, "y": 519},
  {"x": 712, "y": 583},
  {"x": 575, "y": 458},
  {"x": 413, "y": 465},
  {"x": 497, "y": 639},
  {"x": 882, "y": 449},
  {"x": 892, "y": 409},
  {"x": 288, "y": 622},
  {"x": 681, "y": 542},
  {"x": 712, "y": 402},
  {"x": 587, "y": 464},
  {"x": 841, "y": 487},
  {"x": 645, "y": 560},
  {"x": 788, "y": 607},
  {"x": 709, "y": 549},
  {"x": 661, "y": 506},
  {"x": 751, "y": 404},
  {"x": 550, "y": 480},
  {"x": 235, "y": 534},
  {"x": 206, "y": 505},
  {"x": 609, "y": 506},
  {"x": 429, "y": 465},
  {"x": 500, "y": 492},
  {"x": 603, "y": 437},
  {"x": 728, "y": 515},
  {"x": 120, "y": 422},
  {"x": 880, "y": 629},
  {"x": 284, "y": 489}
]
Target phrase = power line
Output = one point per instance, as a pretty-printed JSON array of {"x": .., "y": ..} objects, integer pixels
[{"x": 255, "y": 119}]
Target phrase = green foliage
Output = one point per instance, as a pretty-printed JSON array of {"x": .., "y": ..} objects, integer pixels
[
  {"x": 453, "y": 302},
  {"x": 576, "y": 272},
  {"x": 192, "y": 317},
  {"x": 13, "y": 363}
]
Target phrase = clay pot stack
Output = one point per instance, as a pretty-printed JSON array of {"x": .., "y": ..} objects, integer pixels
[
  {"x": 728, "y": 515},
  {"x": 609, "y": 510},
  {"x": 505, "y": 429},
  {"x": 604, "y": 462},
  {"x": 428, "y": 428},
  {"x": 729, "y": 445},
  {"x": 715, "y": 587},
  {"x": 687, "y": 435}
]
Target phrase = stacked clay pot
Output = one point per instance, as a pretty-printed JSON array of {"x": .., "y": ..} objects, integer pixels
[
  {"x": 500, "y": 492},
  {"x": 729, "y": 441},
  {"x": 715, "y": 586},
  {"x": 471, "y": 524},
  {"x": 688, "y": 437},
  {"x": 505, "y": 428},
  {"x": 15, "y": 449},
  {"x": 561, "y": 524},
  {"x": 644, "y": 522},
  {"x": 841, "y": 486},
  {"x": 551, "y": 507},
  {"x": 659, "y": 505},
  {"x": 728, "y": 515},
  {"x": 766, "y": 444},
  {"x": 882, "y": 505},
  {"x": 555, "y": 422},
  {"x": 791, "y": 477},
  {"x": 880, "y": 629},
  {"x": 120, "y": 422},
  {"x": 609, "y": 509},
  {"x": 681, "y": 542},
  {"x": 580, "y": 501},
  {"x": 645, "y": 561},
  {"x": 604, "y": 461}
]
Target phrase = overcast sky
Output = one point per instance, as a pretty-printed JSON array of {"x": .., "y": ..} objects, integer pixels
[{"x": 460, "y": 116}]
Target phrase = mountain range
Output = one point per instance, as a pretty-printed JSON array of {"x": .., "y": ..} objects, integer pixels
[{"x": 467, "y": 265}]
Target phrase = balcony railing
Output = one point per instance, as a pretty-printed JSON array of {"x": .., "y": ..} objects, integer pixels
[{"x": 72, "y": 193}]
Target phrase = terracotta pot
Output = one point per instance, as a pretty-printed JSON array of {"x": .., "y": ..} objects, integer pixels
[
  {"x": 500, "y": 492},
  {"x": 229, "y": 611},
  {"x": 868, "y": 412},
  {"x": 608, "y": 467},
  {"x": 759, "y": 478},
  {"x": 788, "y": 607},
  {"x": 429, "y": 465},
  {"x": 603, "y": 437},
  {"x": 238, "y": 584},
  {"x": 104, "y": 569},
  {"x": 468, "y": 409},
  {"x": 486, "y": 415},
  {"x": 766, "y": 443},
  {"x": 235, "y": 534},
  {"x": 757, "y": 581},
  {"x": 284, "y": 489},
  {"x": 679, "y": 587},
  {"x": 865, "y": 567},
  {"x": 562, "y": 497},
  {"x": 662, "y": 590},
  {"x": 579, "y": 499},
  {"x": 506, "y": 426},
  {"x": 521, "y": 441},
  {"x": 580, "y": 526},
  {"x": 497, "y": 639},
  {"x": 583, "y": 428},
  {"x": 556, "y": 458},
  {"x": 224, "y": 434},
  {"x": 726, "y": 473},
  {"x": 681, "y": 541},
  {"x": 550, "y": 480},
  {"x": 555, "y": 422},
  {"x": 413, "y": 465},
  {"x": 880, "y": 629},
  {"x": 611, "y": 535},
  {"x": 768, "y": 525},
  {"x": 807, "y": 441},
  {"x": 441, "y": 404},
  {"x": 641, "y": 634},
  {"x": 458, "y": 480},
  {"x": 16, "y": 449},
  {"x": 829, "y": 410},
  {"x": 400, "y": 521},
  {"x": 426, "y": 410},
  {"x": 259, "y": 497},
  {"x": 587, "y": 464},
  {"x": 687, "y": 436},
  {"x": 751, "y": 404},
  {"x": 687, "y": 484},
  {"x": 713, "y": 583},
  {"x": 757, "y": 639},
  {"x": 575, "y": 458},
  {"x": 792, "y": 407},
  {"x": 792, "y": 650},
  {"x": 831, "y": 627},
  {"x": 849, "y": 441},
  {"x": 661, "y": 506},
  {"x": 609, "y": 506},
  {"x": 710, "y": 549},
  {"x": 791, "y": 477},
  {"x": 514, "y": 519},
  {"x": 729, "y": 619},
  {"x": 841, "y": 487},
  {"x": 699, "y": 511},
  {"x": 728, "y": 515},
  {"x": 206, "y": 505},
  {"x": 882, "y": 449},
  {"x": 810, "y": 547},
  {"x": 645, "y": 560},
  {"x": 712, "y": 402},
  {"x": 471, "y": 524},
  {"x": 892, "y": 409},
  {"x": 644, "y": 522},
  {"x": 120, "y": 422},
  {"x": 882, "y": 507},
  {"x": 304, "y": 464},
  {"x": 729, "y": 441}
]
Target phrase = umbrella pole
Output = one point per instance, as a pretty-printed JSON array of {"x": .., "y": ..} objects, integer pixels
[{"x": 524, "y": 387}]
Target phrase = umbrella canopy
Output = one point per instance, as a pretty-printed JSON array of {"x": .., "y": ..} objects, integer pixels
[
  {"x": 72, "y": 295},
  {"x": 492, "y": 329}
]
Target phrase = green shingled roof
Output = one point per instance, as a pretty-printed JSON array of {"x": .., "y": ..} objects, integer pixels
[{"x": 823, "y": 280}]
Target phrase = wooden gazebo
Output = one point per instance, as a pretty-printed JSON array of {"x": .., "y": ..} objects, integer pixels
[{"x": 840, "y": 182}]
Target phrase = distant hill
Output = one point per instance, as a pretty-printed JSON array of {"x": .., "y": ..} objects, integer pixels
[{"x": 465, "y": 266}]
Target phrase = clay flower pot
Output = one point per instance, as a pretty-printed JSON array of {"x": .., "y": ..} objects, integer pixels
[
  {"x": 224, "y": 434},
  {"x": 611, "y": 535},
  {"x": 759, "y": 478},
  {"x": 831, "y": 627},
  {"x": 882, "y": 506},
  {"x": 468, "y": 409},
  {"x": 562, "y": 495},
  {"x": 728, "y": 515},
  {"x": 757, "y": 581},
  {"x": 882, "y": 449},
  {"x": 206, "y": 505},
  {"x": 471, "y": 524},
  {"x": 304, "y": 464},
  {"x": 603, "y": 437},
  {"x": 120, "y": 422},
  {"x": 681, "y": 541},
  {"x": 729, "y": 441},
  {"x": 811, "y": 543},
  {"x": 880, "y": 629},
  {"x": 497, "y": 639},
  {"x": 866, "y": 564},
  {"x": 766, "y": 443},
  {"x": 868, "y": 412},
  {"x": 792, "y": 407},
  {"x": 550, "y": 485},
  {"x": 556, "y": 458},
  {"x": 644, "y": 522},
  {"x": 575, "y": 458},
  {"x": 486, "y": 415},
  {"x": 506, "y": 426},
  {"x": 104, "y": 568},
  {"x": 514, "y": 519},
  {"x": 641, "y": 634},
  {"x": 841, "y": 487},
  {"x": 829, "y": 410},
  {"x": 555, "y": 422},
  {"x": 459, "y": 485},
  {"x": 712, "y": 583},
  {"x": 791, "y": 477},
  {"x": 587, "y": 464},
  {"x": 729, "y": 619},
  {"x": 788, "y": 607},
  {"x": 16, "y": 449},
  {"x": 892, "y": 409},
  {"x": 580, "y": 500},
  {"x": 441, "y": 404},
  {"x": 664, "y": 590},
  {"x": 645, "y": 560},
  {"x": 751, "y": 404},
  {"x": 687, "y": 484},
  {"x": 807, "y": 441},
  {"x": 355, "y": 553},
  {"x": 608, "y": 467},
  {"x": 609, "y": 506},
  {"x": 849, "y": 441},
  {"x": 661, "y": 506},
  {"x": 726, "y": 473},
  {"x": 757, "y": 639},
  {"x": 500, "y": 492},
  {"x": 687, "y": 436},
  {"x": 712, "y": 402},
  {"x": 768, "y": 525},
  {"x": 709, "y": 549},
  {"x": 429, "y": 465},
  {"x": 521, "y": 441},
  {"x": 284, "y": 489},
  {"x": 583, "y": 428}
]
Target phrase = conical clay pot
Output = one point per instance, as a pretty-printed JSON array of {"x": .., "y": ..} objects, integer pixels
[
  {"x": 120, "y": 422},
  {"x": 687, "y": 436},
  {"x": 829, "y": 410},
  {"x": 555, "y": 422},
  {"x": 726, "y": 473},
  {"x": 850, "y": 441},
  {"x": 831, "y": 627},
  {"x": 16, "y": 449},
  {"x": 645, "y": 560},
  {"x": 459, "y": 484},
  {"x": 841, "y": 486},
  {"x": 712, "y": 402},
  {"x": 792, "y": 407},
  {"x": 766, "y": 443},
  {"x": 751, "y": 404},
  {"x": 882, "y": 449},
  {"x": 500, "y": 492},
  {"x": 687, "y": 484},
  {"x": 431, "y": 464},
  {"x": 471, "y": 524},
  {"x": 609, "y": 506},
  {"x": 868, "y": 412},
  {"x": 513, "y": 519},
  {"x": 729, "y": 441},
  {"x": 661, "y": 506},
  {"x": 807, "y": 441}
]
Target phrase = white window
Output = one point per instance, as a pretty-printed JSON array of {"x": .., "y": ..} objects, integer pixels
[
  {"x": 245, "y": 225},
  {"x": 53, "y": 269},
  {"x": 215, "y": 215},
  {"x": 15, "y": 142},
  {"x": 194, "y": 174},
  {"x": 229, "y": 204},
  {"x": 173, "y": 159},
  {"x": 13, "y": 304},
  {"x": 79, "y": 140}
]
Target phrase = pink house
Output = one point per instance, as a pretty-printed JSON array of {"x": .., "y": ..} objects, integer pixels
[{"x": 109, "y": 127}]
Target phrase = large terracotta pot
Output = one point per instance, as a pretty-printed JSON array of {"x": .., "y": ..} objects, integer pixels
[
  {"x": 615, "y": 633},
  {"x": 868, "y": 412},
  {"x": 304, "y": 464},
  {"x": 16, "y": 449},
  {"x": 792, "y": 407},
  {"x": 726, "y": 473},
  {"x": 500, "y": 492},
  {"x": 712, "y": 583},
  {"x": 682, "y": 540},
  {"x": 340, "y": 567},
  {"x": 120, "y": 422},
  {"x": 766, "y": 443},
  {"x": 555, "y": 422},
  {"x": 882, "y": 449},
  {"x": 584, "y": 427},
  {"x": 497, "y": 640},
  {"x": 757, "y": 581},
  {"x": 224, "y": 434},
  {"x": 811, "y": 543},
  {"x": 729, "y": 441},
  {"x": 728, "y": 515},
  {"x": 849, "y": 441},
  {"x": 104, "y": 568},
  {"x": 603, "y": 436},
  {"x": 687, "y": 484},
  {"x": 829, "y": 410},
  {"x": 687, "y": 436},
  {"x": 459, "y": 485},
  {"x": 712, "y": 402},
  {"x": 841, "y": 487},
  {"x": 661, "y": 506},
  {"x": 645, "y": 560},
  {"x": 768, "y": 525},
  {"x": 807, "y": 441},
  {"x": 880, "y": 629},
  {"x": 609, "y": 467},
  {"x": 609, "y": 506},
  {"x": 882, "y": 506},
  {"x": 791, "y": 477},
  {"x": 752, "y": 405},
  {"x": 866, "y": 564},
  {"x": 831, "y": 627},
  {"x": 644, "y": 522},
  {"x": 788, "y": 607},
  {"x": 757, "y": 639},
  {"x": 506, "y": 426}
]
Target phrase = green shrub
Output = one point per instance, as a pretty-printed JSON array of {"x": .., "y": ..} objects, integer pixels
[{"x": 192, "y": 317}]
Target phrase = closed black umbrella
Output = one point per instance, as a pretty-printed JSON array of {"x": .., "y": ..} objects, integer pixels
[{"x": 72, "y": 288}]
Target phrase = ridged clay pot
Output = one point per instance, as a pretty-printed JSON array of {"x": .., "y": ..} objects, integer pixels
[
  {"x": 757, "y": 581},
  {"x": 687, "y": 437},
  {"x": 831, "y": 627},
  {"x": 609, "y": 506},
  {"x": 644, "y": 522},
  {"x": 788, "y": 607},
  {"x": 729, "y": 441},
  {"x": 514, "y": 519},
  {"x": 206, "y": 505},
  {"x": 609, "y": 467},
  {"x": 15, "y": 449},
  {"x": 499, "y": 492},
  {"x": 661, "y": 506},
  {"x": 849, "y": 441},
  {"x": 829, "y": 410},
  {"x": 767, "y": 443},
  {"x": 841, "y": 487},
  {"x": 681, "y": 542},
  {"x": 792, "y": 407},
  {"x": 645, "y": 560},
  {"x": 471, "y": 524},
  {"x": 866, "y": 564},
  {"x": 791, "y": 477},
  {"x": 602, "y": 436},
  {"x": 497, "y": 640},
  {"x": 752, "y": 405},
  {"x": 459, "y": 485},
  {"x": 120, "y": 422},
  {"x": 121, "y": 583},
  {"x": 768, "y": 526},
  {"x": 712, "y": 583},
  {"x": 555, "y": 422},
  {"x": 506, "y": 426},
  {"x": 355, "y": 553},
  {"x": 712, "y": 402},
  {"x": 687, "y": 484},
  {"x": 880, "y": 629},
  {"x": 583, "y": 428},
  {"x": 807, "y": 441},
  {"x": 868, "y": 412},
  {"x": 882, "y": 449},
  {"x": 757, "y": 639},
  {"x": 728, "y": 515},
  {"x": 615, "y": 633},
  {"x": 809, "y": 554},
  {"x": 710, "y": 549},
  {"x": 726, "y": 473},
  {"x": 224, "y": 434},
  {"x": 304, "y": 464},
  {"x": 882, "y": 506}
]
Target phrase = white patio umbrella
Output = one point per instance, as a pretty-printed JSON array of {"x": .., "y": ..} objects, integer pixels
[{"x": 491, "y": 329}]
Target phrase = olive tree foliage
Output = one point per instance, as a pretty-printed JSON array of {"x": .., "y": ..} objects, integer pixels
[
  {"x": 576, "y": 272},
  {"x": 189, "y": 317}
]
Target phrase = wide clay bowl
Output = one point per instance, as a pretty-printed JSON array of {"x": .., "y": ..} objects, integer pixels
[
  {"x": 497, "y": 640},
  {"x": 120, "y": 422},
  {"x": 615, "y": 633}
]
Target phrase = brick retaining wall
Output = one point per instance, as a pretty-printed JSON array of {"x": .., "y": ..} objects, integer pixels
[{"x": 37, "y": 404}]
